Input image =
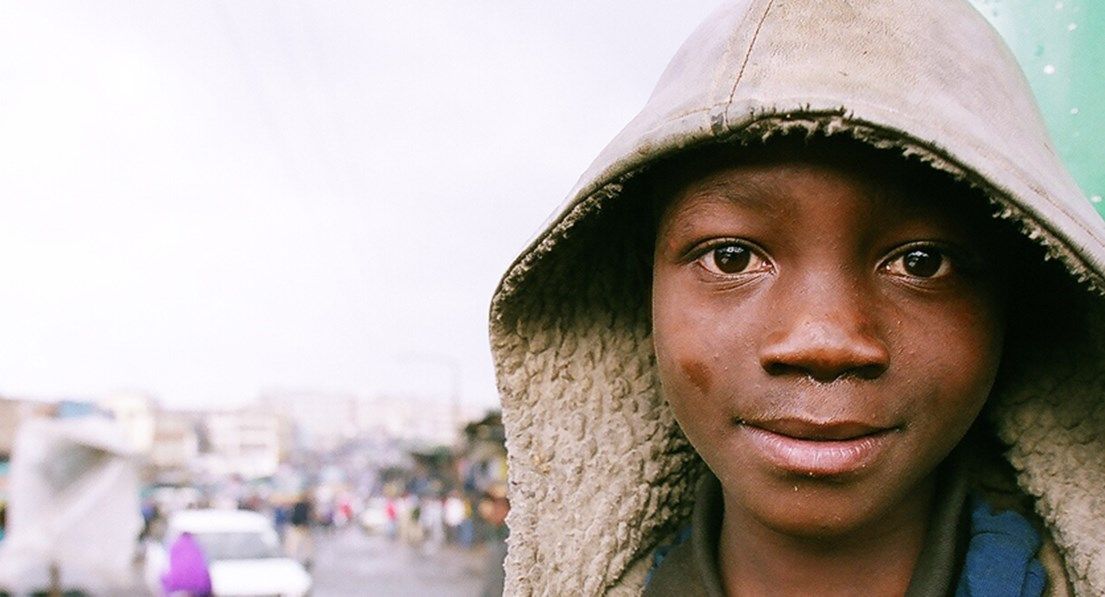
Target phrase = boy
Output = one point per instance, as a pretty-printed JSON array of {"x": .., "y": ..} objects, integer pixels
[{"x": 750, "y": 354}]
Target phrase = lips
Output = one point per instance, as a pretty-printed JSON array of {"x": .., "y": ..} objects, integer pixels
[{"x": 817, "y": 449}]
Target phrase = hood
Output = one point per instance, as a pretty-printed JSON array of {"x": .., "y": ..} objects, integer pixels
[{"x": 599, "y": 470}]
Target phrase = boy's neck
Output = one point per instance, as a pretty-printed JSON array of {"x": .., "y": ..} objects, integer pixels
[{"x": 875, "y": 560}]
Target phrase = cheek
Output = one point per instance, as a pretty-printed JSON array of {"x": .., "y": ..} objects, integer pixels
[
  {"x": 977, "y": 334},
  {"x": 698, "y": 373},
  {"x": 694, "y": 355},
  {"x": 685, "y": 373},
  {"x": 959, "y": 347},
  {"x": 704, "y": 339}
]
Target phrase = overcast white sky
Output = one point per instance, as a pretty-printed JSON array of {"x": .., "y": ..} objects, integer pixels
[{"x": 205, "y": 200}]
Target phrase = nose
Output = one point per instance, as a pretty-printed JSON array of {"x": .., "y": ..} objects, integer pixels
[{"x": 825, "y": 333}]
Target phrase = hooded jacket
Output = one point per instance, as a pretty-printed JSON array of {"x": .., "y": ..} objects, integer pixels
[{"x": 600, "y": 474}]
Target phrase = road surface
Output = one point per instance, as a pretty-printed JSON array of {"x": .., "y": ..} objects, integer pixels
[{"x": 349, "y": 562}]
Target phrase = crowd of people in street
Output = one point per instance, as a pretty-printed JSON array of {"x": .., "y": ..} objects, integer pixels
[
  {"x": 429, "y": 502},
  {"x": 419, "y": 511}
]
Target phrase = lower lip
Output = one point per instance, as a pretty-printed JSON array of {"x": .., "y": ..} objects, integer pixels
[{"x": 818, "y": 458}]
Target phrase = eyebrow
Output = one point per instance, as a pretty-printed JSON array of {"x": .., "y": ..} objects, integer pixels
[
  {"x": 753, "y": 194},
  {"x": 762, "y": 195}
]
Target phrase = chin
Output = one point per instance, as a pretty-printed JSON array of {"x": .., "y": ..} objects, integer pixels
[
  {"x": 817, "y": 523},
  {"x": 812, "y": 510}
]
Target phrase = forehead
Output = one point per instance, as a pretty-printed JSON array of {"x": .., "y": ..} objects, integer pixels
[
  {"x": 787, "y": 188},
  {"x": 765, "y": 186},
  {"x": 840, "y": 184}
]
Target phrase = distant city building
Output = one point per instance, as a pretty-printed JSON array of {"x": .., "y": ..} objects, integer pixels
[
  {"x": 175, "y": 443},
  {"x": 324, "y": 421},
  {"x": 244, "y": 443},
  {"x": 482, "y": 463},
  {"x": 12, "y": 413},
  {"x": 135, "y": 411},
  {"x": 318, "y": 421},
  {"x": 420, "y": 419},
  {"x": 10, "y": 416}
]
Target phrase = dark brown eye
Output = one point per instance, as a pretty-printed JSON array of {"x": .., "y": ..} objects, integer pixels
[
  {"x": 920, "y": 263},
  {"x": 733, "y": 259},
  {"x": 923, "y": 264}
]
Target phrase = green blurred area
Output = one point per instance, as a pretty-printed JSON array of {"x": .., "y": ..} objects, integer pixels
[{"x": 1061, "y": 46}]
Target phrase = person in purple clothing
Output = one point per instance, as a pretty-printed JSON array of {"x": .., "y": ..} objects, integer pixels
[{"x": 187, "y": 573}]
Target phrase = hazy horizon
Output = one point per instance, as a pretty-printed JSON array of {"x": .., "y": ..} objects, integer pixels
[{"x": 208, "y": 200}]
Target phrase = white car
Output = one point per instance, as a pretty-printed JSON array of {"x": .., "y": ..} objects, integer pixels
[{"x": 242, "y": 552}]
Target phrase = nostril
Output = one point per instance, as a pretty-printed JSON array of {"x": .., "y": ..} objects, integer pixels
[
  {"x": 777, "y": 369},
  {"x": 826, "y": 361},
  {"x": 824, "y": 374},
  {"x": 869, "y": 371}
]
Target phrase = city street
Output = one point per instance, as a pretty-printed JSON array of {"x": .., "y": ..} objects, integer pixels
[{"x": 350, "y": 562}]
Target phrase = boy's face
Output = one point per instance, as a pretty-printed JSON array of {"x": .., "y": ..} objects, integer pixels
[{"x": 824, "y": 338}]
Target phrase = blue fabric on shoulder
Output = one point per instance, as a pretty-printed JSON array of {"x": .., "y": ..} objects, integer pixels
[
  {"x": 1001, "y": 556},
  {"x": 662, "y": 552}
]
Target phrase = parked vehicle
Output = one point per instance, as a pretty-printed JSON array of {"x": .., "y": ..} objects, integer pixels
[{"x": 242, "y": 551}]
